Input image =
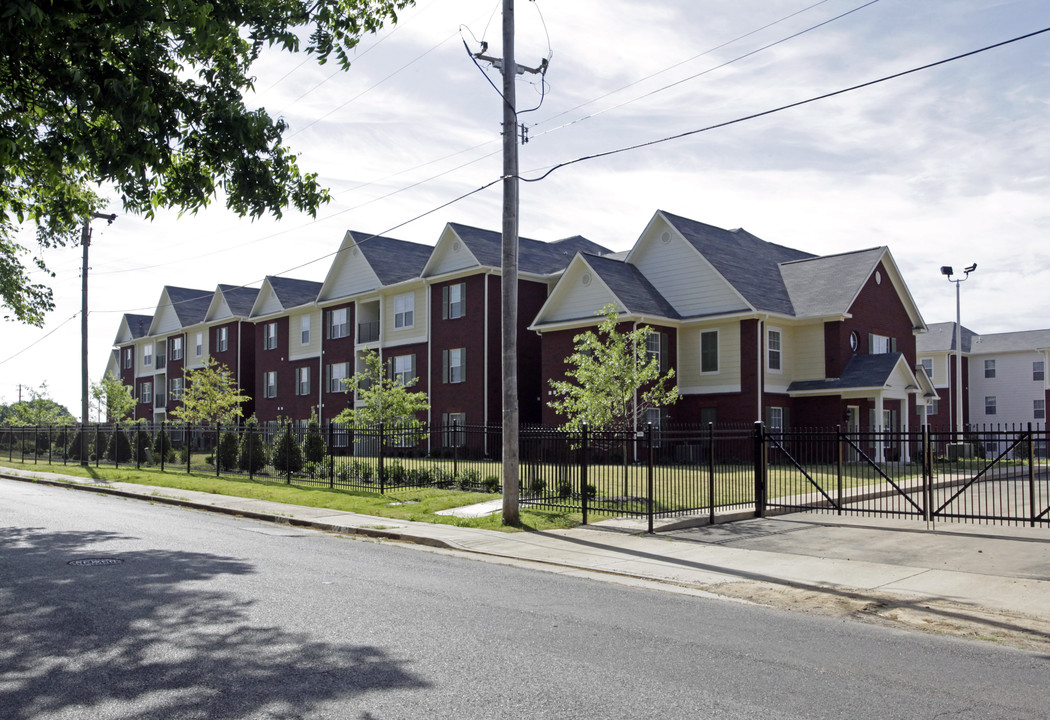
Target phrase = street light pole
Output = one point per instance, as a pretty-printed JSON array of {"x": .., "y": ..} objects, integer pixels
[{"x": 947, "y": 271}]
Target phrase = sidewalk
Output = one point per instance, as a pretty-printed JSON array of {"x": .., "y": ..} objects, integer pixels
[{"x": 984, "y": 581}]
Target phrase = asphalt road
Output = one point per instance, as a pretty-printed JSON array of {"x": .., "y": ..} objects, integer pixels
[{"x": 207, "y": 616}]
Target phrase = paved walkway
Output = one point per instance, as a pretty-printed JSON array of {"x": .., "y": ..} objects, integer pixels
[{"x": 979, "y": 580}]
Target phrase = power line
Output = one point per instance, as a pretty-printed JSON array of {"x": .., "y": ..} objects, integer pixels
[
  {"x": 785, "y": 107},
  {"x": 40, "y": 340}
]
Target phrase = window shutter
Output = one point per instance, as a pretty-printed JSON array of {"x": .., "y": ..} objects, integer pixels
[
  {"x": 412, "y": 365},
  {"x": 871, "y": 343},
  {"x": 444, "y": 302},
  {"x": 444, "y": 366},
  {"x": 893, "y": 344},
  {"x": 390, "y": 368},
  {"x": 462, "y": 364},
  {"x": 462, "y": 299}
]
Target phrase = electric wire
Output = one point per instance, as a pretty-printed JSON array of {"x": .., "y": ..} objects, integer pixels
[{"x": 40, "y": 339}]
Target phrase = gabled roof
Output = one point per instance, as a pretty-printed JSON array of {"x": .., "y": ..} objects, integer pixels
[
  {"x": 138, "y": 325},
  {"x": 1021, "y": 341},
  {"x": 637, "y": 294},
  {"x": 393, "y": 260},
  {"x": 190, "y": 305},
  {"x": 861, "y": 372},
  {"x": 292, "y": 293},
  {"x": 534, "y": 256},
  {"x": 940, "y": 337},
  {"x": 748, "y": 263},
  {"x": 828, "y": 285},
  {"x": 239, "y": 298}
]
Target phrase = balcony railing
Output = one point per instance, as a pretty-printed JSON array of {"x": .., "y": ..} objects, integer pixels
[
  {"x": 162, "y": 361},
  {"x": 367, "y": 332}
]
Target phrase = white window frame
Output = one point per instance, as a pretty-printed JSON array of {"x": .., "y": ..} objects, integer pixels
[
  {"x": 222, "y": 339},
  {"x": 304, "y": 330},
  {"x": 653, "y": 342},
  {"x": 990, "y": 405},
  {"x": 404, "y": 369},
  {"x": 198, "y": 345},
  {"x": 455, "y": 365},
  {"x": 1038, "y": 371},
  {"x": 777, "y": 352},
  {"x": 175, "y": 391},
  {"x": 455, "y": 301},
  {"x": 270, "y": 336},
  {"x": 129, "y": 358},
  {"x": 270, "y": 384},
  {"x": 146, "y": 392},
  {"x": 404, "y": 310},
  {"x": 718, "y": 353},
  {"x": 928, "y": 364},
  {"x": 175, "y": 353},
  {"x": 776, "y": 418},
  {"x": 147, "y": 355},
  {"x": 1039, "y": 409},
  {"x": 880, "y": 345},
  {"x": 989, "y": 369},
  {"x": 335, "y": 381},
  {"x": 338, "y": 323},
  {"x": 453, "y": 437},
  {"x": 302, "y": 380},
  {"x": 934, "y": 407}
]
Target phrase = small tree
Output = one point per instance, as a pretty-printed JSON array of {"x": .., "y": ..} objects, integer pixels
[
  {"x": 613, "y": 380},
  {"x": 210, "y": 396},
  {"x": 385, "y": 398},
  {"x": 314, "y": 447},
  {"x": 287, "y": 455},
  {"x": 226, "y": 453},
  {"x": 119, "y": 400},
  {"x": 252, "y": 457}
]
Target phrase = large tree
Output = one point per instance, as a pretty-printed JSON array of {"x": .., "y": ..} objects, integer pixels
[
  {"x": 39, "y": 409},
  {"x": 146, "y": 99},
  {"x": 384, "y": 397},
  {"x": 210, "y": 396},
  {"x": 612, "y": 378},
  {"x": 120, "y": 402}
]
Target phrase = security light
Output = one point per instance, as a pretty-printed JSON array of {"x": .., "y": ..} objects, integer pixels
[
  {"x": 970, "y": 269},
  {"x": 947, "y": 270}
]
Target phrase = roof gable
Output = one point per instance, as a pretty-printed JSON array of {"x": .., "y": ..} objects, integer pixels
[
  {"x": 579, "y": 294},
  {"x": 450, "y": 254},
  {"x": 132, "y": 327},
  {"x": 828, "y": 285}
]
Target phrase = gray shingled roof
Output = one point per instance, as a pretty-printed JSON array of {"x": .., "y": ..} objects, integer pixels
[
  {"x": 940, "y": 337},
  {"x": 189, "y": 305},
  {"x": 637, "y": 294},
  {"x": 292, "y": 293},
  {"x": 1021, "y": 341},
  {"x": 393, "y": 260},
  {"x": 827, "y": 285},
  {"x": 748, "y": 263},
  {"x": 239, "y": 298},
  {"x": 534, "y": 256},
  {"x": 138, "y": 325},
  {"x": 862, "y": 371}
]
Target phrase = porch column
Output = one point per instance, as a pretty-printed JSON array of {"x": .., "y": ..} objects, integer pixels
[{"x": 880, "y": 450}]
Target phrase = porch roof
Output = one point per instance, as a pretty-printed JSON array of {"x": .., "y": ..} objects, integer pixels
[{"x": 862, "y": 372}]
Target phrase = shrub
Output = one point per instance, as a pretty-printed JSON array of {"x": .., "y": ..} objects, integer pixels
[
  {"x": 162, "y": 446},
  {"x": 252, "y": 457},
  {"x": 287, "y": 455},
  {"x": 536, "y": 486},
  {"x": 491, "y": 484},
  {"x": 144, "y": 443},
  {"x": 394, "y": 472},
  {"x": 81, "y": 452},
  {"x": 226, "y": 453},
  {"x": 314, "y": 447},
  {"x": 470, "y": 478},
  {"x": 564, "y": 489},
  {"x": 120, "y": 450},
  {"x": 442, "y": 478}
]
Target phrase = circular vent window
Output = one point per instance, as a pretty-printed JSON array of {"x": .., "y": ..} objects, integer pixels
[
  {"x": 586, "y": 279},
  {"x": 665, "y": 237},
  {"x": 455, "y": 246}
]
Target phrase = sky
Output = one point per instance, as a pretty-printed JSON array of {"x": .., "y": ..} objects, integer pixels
[{"x": 946, "y": 166}]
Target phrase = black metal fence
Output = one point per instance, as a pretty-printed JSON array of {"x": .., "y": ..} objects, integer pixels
[{"x": 991, "y": 474}]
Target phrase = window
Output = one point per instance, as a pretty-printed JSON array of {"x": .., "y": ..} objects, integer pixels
[
  {"x": 270, "y": 384},
  {"x": 1038, "y": 372},
  {"x": 404, "y": 310},
  {"x": 453, "y": 301},
  {"x": 146, "y": 394},
  {"x": 222, "y": 339},
  {"x": 404, "y": 369},
  {"x": 198, "y": 346},
  {"x": 304, "y": 330},
  {"x": 454, "y": 362},
  {"x": 880, "y": 344},
  {"x": 775, "y": 418},
  {"x": 656, "y": 349},
  {"x": 773, "y": 349},
  {"x": 709, "y": 351},
  {"x": 989, "y": 405},
  {"x": 933, "y": 407},
  {"x": 147, "y": 355},
  {"x": 454, "y": 435},
  {"x": 927, "y": 363},
  {"x": 337, "y": 373},
  {"x": 176, "y": 348},
  {"x": 989, "y": 368},
  {"x": 302, "y": 381},
  {"x": 128, "y": 355},
  {"x": 1039, "y": 409},
  {"x": 176, "y": 389},
  {"x": 338, "y": 327},
  {"x": 158, "y": 399},
  {"x": 270, "y": 336}
]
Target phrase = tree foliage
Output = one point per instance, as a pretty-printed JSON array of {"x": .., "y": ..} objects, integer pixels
[
  {"x": 147, "y": 98},
  {"x": 120, "y": 402},
  {"x": 210, "y": 396},
  {"x": 385, "y": 399},
  {"x": 39, "y": 409},
  {"x": 612, "y": 380}
]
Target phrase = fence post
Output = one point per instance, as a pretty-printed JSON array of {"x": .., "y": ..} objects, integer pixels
[
  {"x": 49, "y": 444},
  {"x": 841, "y": 450},
  {"x": 649, "y": 473},
  {"x": 138, "y": 451},
  {"x": 22, "y": 445},
  {"x": 1031, "y": 475},
  {"x": 113, "y": 445},
  {"x": 583, "y": 472},
  {"x": 331, "y": 456},
  {"x": 97, "y": 438},
  {"x": 218, "y": 441},
  {"x": 288, "y": 453},
  {"x": 250, "y": 429},
  {"x": 189, "y": 449},
  {"x": 382, "y": 473},
  {"x": 455, "y": 448},
  {"x": 163, "y": 439},
  {"x": 927, "y": 474},
  {"x": 760, "y": 470},
  {"x": 711, "y": 473}
]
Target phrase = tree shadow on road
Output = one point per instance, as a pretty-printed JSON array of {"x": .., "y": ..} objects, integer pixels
[{"x": 149, "y": 637}]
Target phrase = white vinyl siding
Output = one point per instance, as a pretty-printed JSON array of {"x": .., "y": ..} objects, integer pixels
[
  {"x": 709, "y": 351},
  {"x": 1014, "y": 387},
  {"x": 304, "y": 330},
  {"x": 774, "y": 350},
  {"x": 691, "y": 379}
]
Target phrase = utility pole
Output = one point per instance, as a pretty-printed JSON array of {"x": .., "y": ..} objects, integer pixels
[
  {"x": 85, "y": 240},
  {"x": 509, "y": 261}
]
